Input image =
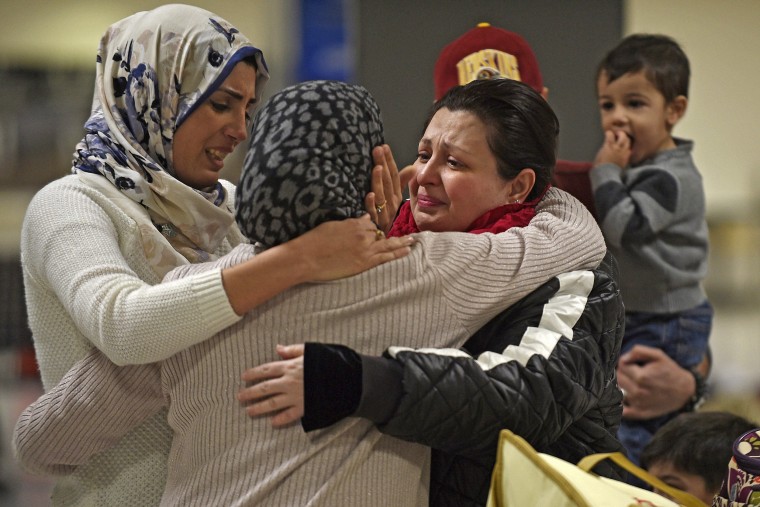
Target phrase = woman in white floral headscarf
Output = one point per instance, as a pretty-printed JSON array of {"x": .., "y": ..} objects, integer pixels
[{"x": 175, "y": 88}]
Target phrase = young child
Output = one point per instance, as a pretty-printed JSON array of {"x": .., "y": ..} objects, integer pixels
[
  {"x": 691, "y": 451},
  {"x": 651, "y": 208}
]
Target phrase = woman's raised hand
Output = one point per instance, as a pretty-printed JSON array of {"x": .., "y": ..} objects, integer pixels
[
  {"x": 386, "y": 196},
  {"x": 276, "y": 388}
]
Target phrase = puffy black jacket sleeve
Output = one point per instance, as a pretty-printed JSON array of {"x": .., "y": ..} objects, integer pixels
[{"x": 337, "y": 379}]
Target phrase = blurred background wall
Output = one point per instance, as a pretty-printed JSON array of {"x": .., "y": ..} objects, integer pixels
[{"x": 47, "y": 51}]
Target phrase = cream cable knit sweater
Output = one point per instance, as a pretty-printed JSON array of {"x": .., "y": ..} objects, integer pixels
[
  {"x": 438, "y": 296},
  {"x": 87, "y": 283}
]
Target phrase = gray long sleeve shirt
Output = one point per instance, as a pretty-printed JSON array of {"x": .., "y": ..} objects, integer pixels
[{"x": 653, "y": 218}]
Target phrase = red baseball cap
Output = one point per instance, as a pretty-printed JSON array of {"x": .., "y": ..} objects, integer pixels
[{"x": 483, "y": 53}]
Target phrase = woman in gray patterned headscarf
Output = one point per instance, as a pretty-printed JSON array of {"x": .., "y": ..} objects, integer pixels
[
  {"x": 310, "y": 160},
  {"x": 174, "y": 90}
]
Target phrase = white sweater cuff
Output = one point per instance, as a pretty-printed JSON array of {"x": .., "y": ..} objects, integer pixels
[{"x": 214, "y": 303}]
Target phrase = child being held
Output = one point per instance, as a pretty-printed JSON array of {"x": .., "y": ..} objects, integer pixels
[
  {"x": 691, "y": 451},
  {"x": 651, "y": 208}
]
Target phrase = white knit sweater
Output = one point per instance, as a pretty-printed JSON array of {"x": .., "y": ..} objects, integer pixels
[
  {"x": 438, "y": 296},
  {"x": 88, "y": 282}
]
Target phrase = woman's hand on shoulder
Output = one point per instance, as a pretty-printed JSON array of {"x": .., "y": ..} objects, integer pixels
[
  {"x": 334, "y": 249},
  {"x": 342, "y": 248}
]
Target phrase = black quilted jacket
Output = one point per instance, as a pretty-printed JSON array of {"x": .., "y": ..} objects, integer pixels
[
  {"x": 563, "y": 400},
  {"x": 551, "y": 381}
]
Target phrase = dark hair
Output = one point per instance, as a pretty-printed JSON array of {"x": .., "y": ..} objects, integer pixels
[
  {"x": 251, "y": 60},
  {"x": 522, "y": 128},
  {"x": 698, "y": 443},
  {"x": 659, "y": 56}
]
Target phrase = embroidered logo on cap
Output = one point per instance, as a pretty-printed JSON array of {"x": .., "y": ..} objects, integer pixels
[{"x": 487, "y": 64}]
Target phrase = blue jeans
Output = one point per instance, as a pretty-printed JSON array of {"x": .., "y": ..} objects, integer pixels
[{"x": 683, "y": 337}]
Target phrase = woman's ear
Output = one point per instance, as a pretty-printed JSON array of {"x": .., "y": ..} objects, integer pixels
[
  {"x": 521, "y": 185},
  {"x": 675, "y": 110}
]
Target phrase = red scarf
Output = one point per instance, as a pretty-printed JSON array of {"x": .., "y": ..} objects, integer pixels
[{"x": 496, "y": 220}]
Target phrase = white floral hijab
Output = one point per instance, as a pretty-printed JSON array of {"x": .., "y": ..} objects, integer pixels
[{"x": 153, "y": 69}]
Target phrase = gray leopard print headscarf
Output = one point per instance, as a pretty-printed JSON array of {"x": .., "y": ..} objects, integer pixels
[{"x": 310, "y": 160}]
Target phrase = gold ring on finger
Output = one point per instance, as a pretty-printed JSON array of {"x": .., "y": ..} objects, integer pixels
[{"x": 378, "y": 234}]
